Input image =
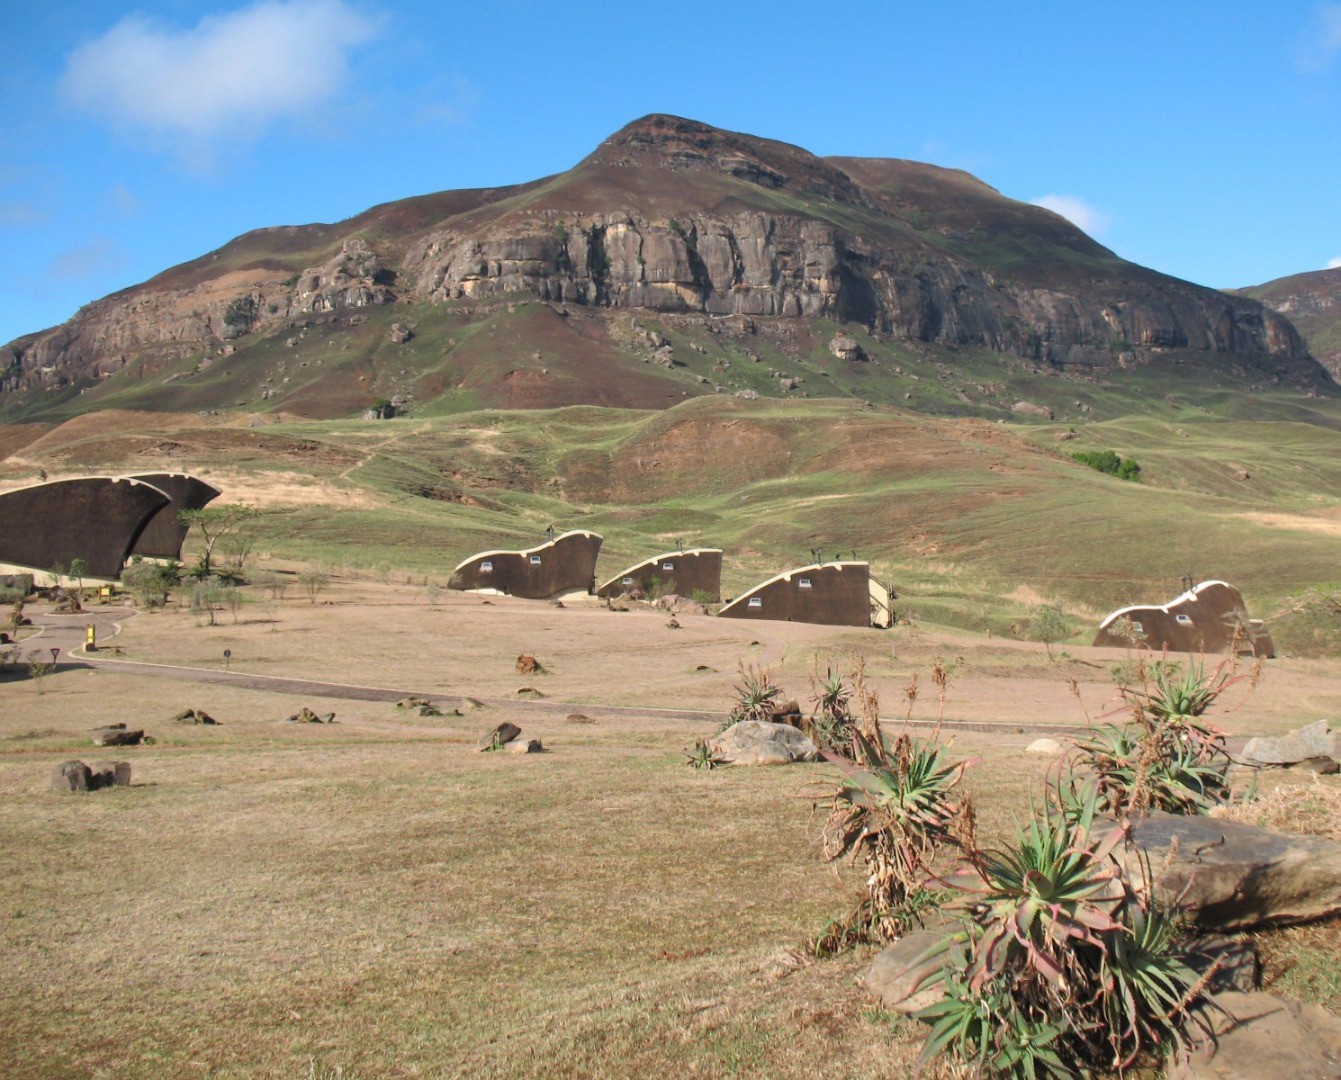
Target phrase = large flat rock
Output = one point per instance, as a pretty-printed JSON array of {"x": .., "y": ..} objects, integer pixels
[
  {"x": 1234, "y": 876},
  {"x": 757, "y": 742},
  {"x": 1264, "y": 1037}
]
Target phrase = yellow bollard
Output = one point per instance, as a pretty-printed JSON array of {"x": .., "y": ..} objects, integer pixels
[{"x": 90, "y": 638}]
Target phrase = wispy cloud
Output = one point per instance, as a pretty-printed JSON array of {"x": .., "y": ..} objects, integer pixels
[
  {"x": 1324, "y": 39},
  {"x": 1334, "y": 264},
  {"x": 122, "y": 201},
  {"x": 1077, "y": 211},
  {"x": 449, "y": 104},
  {"x": 231, "y": 76},
  {"x": 21, "y": 213},
  {"x": 99, "y": 256}
]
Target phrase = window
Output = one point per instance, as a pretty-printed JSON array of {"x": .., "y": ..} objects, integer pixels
[
  {"x": 626, "y": 581},
  {"x": 1137, "y": 628},
  {"x": 668, "y": 566},
  {"x": 1183, "y": 620},
  {"x": 756, "y": 601},
  {"x": 535, "y": 560},
  {"x": 486, "y": 566},
  {"x": 804, "y": 583}
]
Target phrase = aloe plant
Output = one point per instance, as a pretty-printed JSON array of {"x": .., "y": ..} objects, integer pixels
[
  {"x": 1062, "y": 966},
  {"x": 756, "y": 694}
]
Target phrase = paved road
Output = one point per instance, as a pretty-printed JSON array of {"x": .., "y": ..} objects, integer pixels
[{"x": 67, "y": 632}]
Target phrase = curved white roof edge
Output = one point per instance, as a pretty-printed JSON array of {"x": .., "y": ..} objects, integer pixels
[
  {"x": 787, "y": 575},
  {"x": 1191, "y": 594},
  {"x": 525, "y": 551},
  {"x": 74, "y": 479},
  {"x": 655, "y": 558}
]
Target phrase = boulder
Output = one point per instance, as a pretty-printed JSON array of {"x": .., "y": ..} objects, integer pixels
[
  {"x": 680, "y": 605},
  {"x": 757, "y": 742},
  {"x": 499, "y": 736},
  {"x": 786, "y": 712},
  {"x": 1313, "y": 740},
  {"x": 845, "y": 348},
  {"x": 117, "y": 735},
  {"x": 1230, "y": 963},
  {"x": 109, "y": 774},
  {"x": 1044, "y": 746},
  {"x": 70, "y": 776},
  {"x": 307, "y": 716},
  {"x": 899, "y": 974},
  {"x": 523, "y": 746},
  {"x": 1263, "y": 1037},
  {"x": 1028, "y": 408},
  {"x": 1233, "y": 876}
]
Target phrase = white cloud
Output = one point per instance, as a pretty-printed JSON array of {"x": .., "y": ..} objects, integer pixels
[
  {"x": 1324, "y": 39},
  {"x": 99, "y": 256},
  {"x": 1078, "y": 212},
  {"x": 230, "y": 76},
  {"x": 1334, "y": 264}
]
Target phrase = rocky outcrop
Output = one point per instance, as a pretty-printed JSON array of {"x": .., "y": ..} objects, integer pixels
[
  {"x": 675, "y": 216},
  {"x": 757, "y": 742}
]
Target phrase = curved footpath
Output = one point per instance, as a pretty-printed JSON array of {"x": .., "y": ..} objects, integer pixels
[{"x": 66, "y": 632}]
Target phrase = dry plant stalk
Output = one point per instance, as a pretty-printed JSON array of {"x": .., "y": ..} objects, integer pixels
[{"x": 910, "y": 697}]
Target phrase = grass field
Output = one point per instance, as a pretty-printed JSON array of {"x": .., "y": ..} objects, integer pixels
[{"x": 374, "y": 898}]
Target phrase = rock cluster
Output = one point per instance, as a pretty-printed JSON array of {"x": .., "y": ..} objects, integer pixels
[
  {"x": 758, "y": 742},
  {"x": 76, "y": 776},
  {"x": 508, "y": 737},
  {"x": 117, "y": 735}
]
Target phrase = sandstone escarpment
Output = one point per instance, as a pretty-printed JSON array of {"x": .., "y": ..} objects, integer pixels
[{"x": 673, "y": 216}]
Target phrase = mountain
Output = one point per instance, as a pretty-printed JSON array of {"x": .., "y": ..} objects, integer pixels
[
  {"x": 1311, "y": 301},
  {"x": 668, "y": 263}
]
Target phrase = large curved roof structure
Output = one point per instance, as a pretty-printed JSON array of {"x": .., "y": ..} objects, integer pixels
[
  {"x": 684, "y": 573},
  {"x": 164, "y": 534},
  {"x": 1209, "y": 618},
  {"x": 566, "y": 564},
  {"x": 94, "y": 518},
  {"x": 831, "y": 593}
]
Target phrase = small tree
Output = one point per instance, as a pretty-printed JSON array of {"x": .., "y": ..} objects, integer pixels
[
  {"x": 214, "y": 523},
  {"x": 78, "y": 568},
  {"x": 150, "y": 583},
  {"x": 206, "y": 597},
  {"x": 312, "y": 582},
  {"x": 1048, "y": 626}
]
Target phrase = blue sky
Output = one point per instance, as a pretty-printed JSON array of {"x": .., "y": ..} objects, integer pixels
[{"x": 1202, "y": 139}]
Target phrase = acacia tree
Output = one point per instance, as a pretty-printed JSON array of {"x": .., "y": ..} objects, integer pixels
[{"x": 214, "y": 523}]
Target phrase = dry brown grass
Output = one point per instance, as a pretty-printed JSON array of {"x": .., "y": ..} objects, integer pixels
[{"x": 376, "y": 896}]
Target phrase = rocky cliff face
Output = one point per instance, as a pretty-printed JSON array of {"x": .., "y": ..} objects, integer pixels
[
  {"x": 1312, "y": 302},
  {"x": 674, "y": 216}
]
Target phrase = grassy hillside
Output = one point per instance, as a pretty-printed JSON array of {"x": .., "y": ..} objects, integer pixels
[{"x": 974, "y": 522}]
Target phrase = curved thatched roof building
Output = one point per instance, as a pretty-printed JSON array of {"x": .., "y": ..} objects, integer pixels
[
  {"x": 1208, "y": 618},
  {"x": 833, "y": 593},
  {"x": 164, "y": 534},
  {"x": 566, "y": 564},
  {"x": 684, "y": 573},
  {"x": 94, "y": 518}
]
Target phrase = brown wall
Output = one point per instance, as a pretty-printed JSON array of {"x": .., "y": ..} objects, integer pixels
[
  {"x": 839, "y": 595},
  {"x": 95, "y": 518},
  {"x": 680, "y": 572},
  {"x": 1202, "y": 620},
  {"x": 164, "y": 534},
  {"x": 566, "y": 564}
]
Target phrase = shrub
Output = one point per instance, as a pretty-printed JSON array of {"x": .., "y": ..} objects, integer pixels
[
  {"x": 896, "y": 811},
  {"x": 1063, "y": 965},
  {"x": 1106, "y": 461},
  {"x": 756, "y": 695}
]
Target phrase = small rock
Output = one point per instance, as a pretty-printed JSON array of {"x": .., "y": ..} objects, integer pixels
[
  {"x": 1312, "y": 740},
  {"x": 579, "y": 718},
  {"x": 70, "y": 776},
  {"x": 899, "y": 974},
  {"x": 307, "y": 716},
  {"x": 117, "y": 735},
  {"x": 523, "y": 746},
  {"x": 109, "y": 774},
  {"x": 529, "y": 691},
  {"x": 672, "y": 623},
  {"x": 502, "y": 734},
  {"x": 1044, "y": 746},
  {"x": 1322, "y": 765}
]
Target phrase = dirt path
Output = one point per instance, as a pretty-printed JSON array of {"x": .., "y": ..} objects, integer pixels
[{"x": 67, "y": 632}]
